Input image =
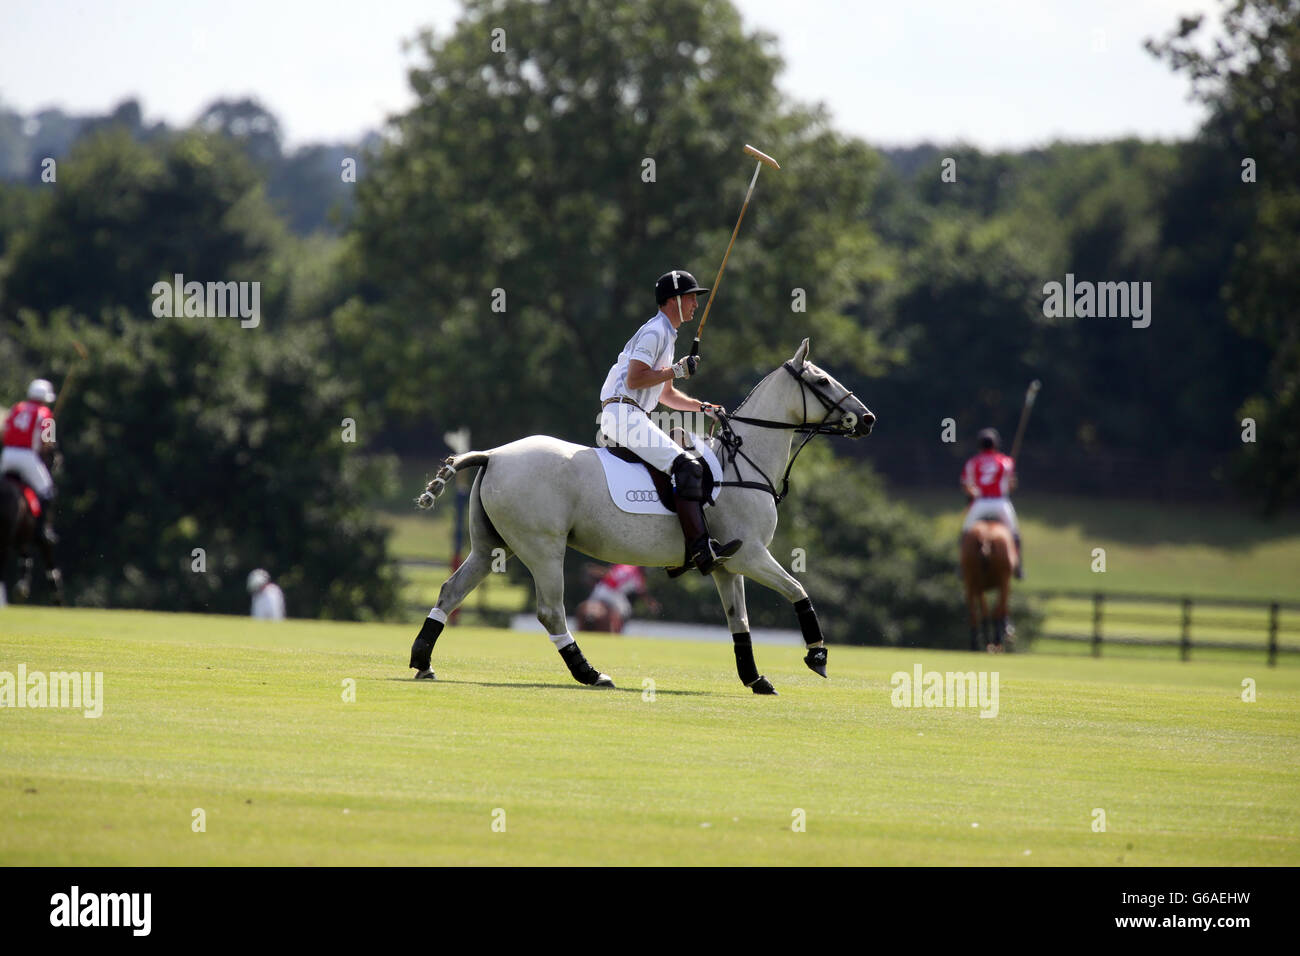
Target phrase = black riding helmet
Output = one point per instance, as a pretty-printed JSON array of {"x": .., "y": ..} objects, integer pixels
[
  {"x": 989, "y": 438},
  {"x": 677, "y": 282}
]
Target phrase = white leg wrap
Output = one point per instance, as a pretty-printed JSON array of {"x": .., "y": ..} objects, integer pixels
[
  {"x": 562, "y": 641},
  {"x": 439, "y": 615}
]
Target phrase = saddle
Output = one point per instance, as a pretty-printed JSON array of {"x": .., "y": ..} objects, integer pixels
[
  {"x": 33, "y": 502},
  {"x": 663, "y": 483}
]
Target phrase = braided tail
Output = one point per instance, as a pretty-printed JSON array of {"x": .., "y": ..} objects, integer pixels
[{"x": 471, "y": 459}]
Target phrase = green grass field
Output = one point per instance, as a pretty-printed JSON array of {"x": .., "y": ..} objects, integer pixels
[{"x": 247, "y": 722}]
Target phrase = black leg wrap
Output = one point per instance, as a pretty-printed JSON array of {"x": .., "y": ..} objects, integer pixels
[
  {"x": 582, "y": 671},
  {"x": 422, "y": 648},
  {"x": 745, "y": 665},
  {"x": 812, "y": 634},
  {"x": 812, "y": 631}
]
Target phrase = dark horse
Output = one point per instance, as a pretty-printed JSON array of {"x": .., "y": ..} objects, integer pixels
[
  {"x": 988, "y": 555},
  {"x": 17, "y": 534}
]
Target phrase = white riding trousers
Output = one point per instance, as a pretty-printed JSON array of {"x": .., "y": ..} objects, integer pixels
[
  {"x": 992, "y": 509},
  {"x": 28, "y": 465},
  {"x": 627, "y": 425}
]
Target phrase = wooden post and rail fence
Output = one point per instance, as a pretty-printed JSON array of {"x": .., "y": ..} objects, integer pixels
[{"x": 1228, "y": 623}]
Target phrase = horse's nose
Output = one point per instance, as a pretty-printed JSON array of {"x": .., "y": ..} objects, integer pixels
[{"x": 866, "y": 423}]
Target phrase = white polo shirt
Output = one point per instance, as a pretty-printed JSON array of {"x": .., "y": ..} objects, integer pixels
[{"x": 653, "y": 344}]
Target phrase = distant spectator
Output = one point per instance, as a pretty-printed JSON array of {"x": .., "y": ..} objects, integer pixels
[
  {"x": 268, "y": 599},
  {"x": 610, "y": 603}
]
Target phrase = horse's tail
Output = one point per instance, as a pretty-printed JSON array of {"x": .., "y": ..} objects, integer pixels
[{"x": 470, "y": 459}]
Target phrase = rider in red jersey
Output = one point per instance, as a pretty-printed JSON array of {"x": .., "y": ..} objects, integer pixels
[
  {"x": 988, "y": 479},
  {"x": 28, "y": 434}
]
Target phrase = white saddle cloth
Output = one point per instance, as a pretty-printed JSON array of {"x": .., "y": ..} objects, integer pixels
[{"x": 632, "y": 488}]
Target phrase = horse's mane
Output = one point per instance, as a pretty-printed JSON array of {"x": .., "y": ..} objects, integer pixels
[{"x": 753, "y": 390}]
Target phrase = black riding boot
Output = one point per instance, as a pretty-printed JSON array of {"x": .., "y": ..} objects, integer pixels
[
  {"x": 1020, "y": 558},
  {"x": 702, "y": 551}
]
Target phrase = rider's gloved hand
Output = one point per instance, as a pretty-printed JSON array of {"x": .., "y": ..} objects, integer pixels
[
  {"x": 686, "y": 367},
  {"x": 713, "y": 411}
]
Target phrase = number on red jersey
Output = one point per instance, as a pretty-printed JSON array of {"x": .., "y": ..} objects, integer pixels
[
  {"x": 990, "y": 472},
  {"x": 24, "y": 419}
]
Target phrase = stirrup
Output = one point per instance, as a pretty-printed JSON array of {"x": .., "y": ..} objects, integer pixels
[
  {"x": 717, "y": 555},
  {"x": 713, "y": 555}
]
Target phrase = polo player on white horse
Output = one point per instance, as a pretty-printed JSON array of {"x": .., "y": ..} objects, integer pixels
[{"x": 641, "y": 380}]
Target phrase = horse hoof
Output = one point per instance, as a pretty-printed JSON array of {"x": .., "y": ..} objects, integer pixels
[
  {"x": 603, "y": 681},
  {"x": 421, "y": 652},
  {"x": 426, "y": 674},
  {"x": 816, "y": 661},
  {"x": 763, "y": 686}
]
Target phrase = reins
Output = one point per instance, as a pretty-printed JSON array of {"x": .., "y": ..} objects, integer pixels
[{"x": 731, "y": 442}]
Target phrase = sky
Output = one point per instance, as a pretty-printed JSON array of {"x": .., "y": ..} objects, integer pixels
[{"x": 999, "y": 74}]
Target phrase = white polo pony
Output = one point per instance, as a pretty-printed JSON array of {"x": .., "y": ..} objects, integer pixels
[{"x": 538, "y": 496}]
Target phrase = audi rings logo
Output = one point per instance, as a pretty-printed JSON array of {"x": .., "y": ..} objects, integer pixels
[{"x": 637, "y": 494}]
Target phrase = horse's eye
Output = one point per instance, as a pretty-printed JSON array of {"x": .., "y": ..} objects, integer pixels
[{"x": 822, "y": 380}]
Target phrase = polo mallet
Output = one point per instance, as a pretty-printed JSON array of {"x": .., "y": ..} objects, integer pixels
[
  {"x": 1030, "y": 394},
  {"x": 713, "y": 294},
  {"x": 67, "y": 382}
]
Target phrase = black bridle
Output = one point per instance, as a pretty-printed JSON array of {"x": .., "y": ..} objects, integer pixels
[{"x": 731, "y": 442}]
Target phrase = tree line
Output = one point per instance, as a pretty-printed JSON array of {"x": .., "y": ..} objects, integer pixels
[{"x": 500, "y": 243}]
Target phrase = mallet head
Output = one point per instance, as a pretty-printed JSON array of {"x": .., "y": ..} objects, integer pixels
[{"x": 762, "y": 157}]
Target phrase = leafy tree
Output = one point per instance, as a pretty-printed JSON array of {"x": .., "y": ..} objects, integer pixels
[
  {"x": 248, "y": 123},
  {"x": 126, "y": 215},
  {"x": 1248, "y": 79},
  {"x": 523, "y": 168},
  {"x": 195, "y": 433}
]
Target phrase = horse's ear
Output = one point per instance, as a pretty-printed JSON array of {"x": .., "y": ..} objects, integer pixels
[{"x": 800, "y": 355}]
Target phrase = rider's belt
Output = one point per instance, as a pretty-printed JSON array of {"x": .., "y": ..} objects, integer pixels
[{"x": 621, "y": 400}]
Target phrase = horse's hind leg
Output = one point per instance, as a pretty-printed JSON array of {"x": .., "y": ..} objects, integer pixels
[
  {"x": 731, "y": 588},
  {"x": 986, "y": 626},
  {"x": 973, "y": 616},
  {"x": 454, "y": 591},
  {"x": 52, "y": 574},
  {"x": 485, "y": 546},
  {"x": 546, "y": 563},
  {"x": 24, "y": 586},
  {"x": 1001, "y": 631}
]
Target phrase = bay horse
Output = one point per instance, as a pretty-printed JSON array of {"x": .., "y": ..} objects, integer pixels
[
  {"x": 538, "y": 496},
  {"x": 988, "y": 556},
  {"x": 17, "y": 534}
]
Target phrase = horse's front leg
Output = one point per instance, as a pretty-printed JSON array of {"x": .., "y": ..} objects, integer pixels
[
  {"x": 767, "y": 571},
  {"x": 731, "y": 588}
]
